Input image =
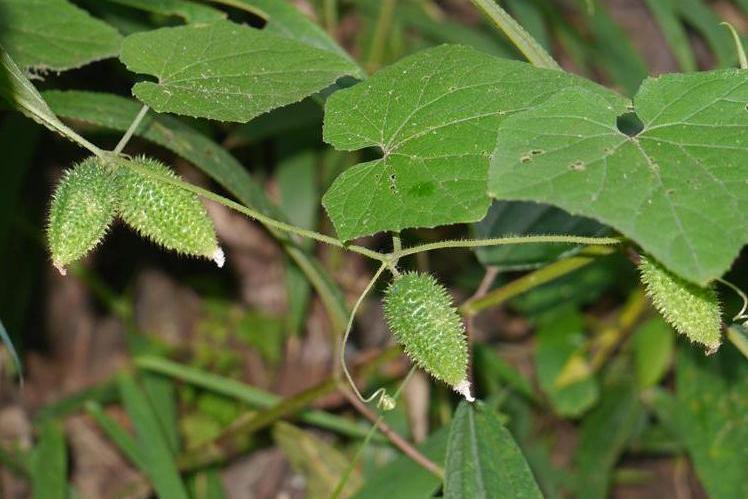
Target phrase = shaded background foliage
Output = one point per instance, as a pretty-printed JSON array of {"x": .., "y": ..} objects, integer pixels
[{"x": 597, "y": 392}]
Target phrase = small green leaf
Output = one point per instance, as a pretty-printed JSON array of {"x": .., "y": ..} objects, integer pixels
[
  {"x": 691, "y": 309},
  {"x": 433, "y": 116},
  {"x": 675, "y": 186},
  {"x": 226, "y": 71},
  {"x": 49, "y": 463},
  {"x": 82, "y": 209},
  {"x": 483, "y": 460},
  {"x": 164, "y": 213},
  {"x": 54, "y": 34},
  {"x": 653, "y": 344},
  {"x": 561, "y": 346},
  {"x": 421, "y": 315}
]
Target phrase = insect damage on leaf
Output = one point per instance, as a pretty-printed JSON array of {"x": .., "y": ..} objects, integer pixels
[
  {"x": 164, "y": 213},
  {"x": 82, "y": 209},
  {"x": 691, "y": 309},
  {"x": 420, "y": 313}
]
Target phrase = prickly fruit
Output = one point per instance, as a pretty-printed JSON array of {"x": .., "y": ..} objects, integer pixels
[
  {"x": 164, "y": 213},
  {"x": 82, "y": 209},
  {"x": 420, "y": 313},
  {"x": 691, "y": 309}
]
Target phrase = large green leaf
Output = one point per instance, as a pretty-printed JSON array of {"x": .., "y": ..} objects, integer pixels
[
  {"x": 677, "y": 187},
  {"x": 711, "y": 408},
  {"x": 227, "y": 72},
  {"x": 54, "y": 34},
  {"x": 433, "y": 116},
  {"x": 483, "y": 461}
]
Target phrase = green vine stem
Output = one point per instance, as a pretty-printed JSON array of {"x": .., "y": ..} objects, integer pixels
[{"x": 521, "y": 39}]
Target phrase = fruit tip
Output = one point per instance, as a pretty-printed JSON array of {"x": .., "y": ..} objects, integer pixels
[
  {"x": 463, "y": 388},
  {"x": 62, "y": 270},
  {"x": 219, "y": 257}
]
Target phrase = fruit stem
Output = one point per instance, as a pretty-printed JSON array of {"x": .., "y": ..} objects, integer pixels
[{"x": 130, "y": 130}]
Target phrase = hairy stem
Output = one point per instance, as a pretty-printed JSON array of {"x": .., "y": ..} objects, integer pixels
[
  {"x": 521, "y": 39},
  {"x": 130, "y": 130}
]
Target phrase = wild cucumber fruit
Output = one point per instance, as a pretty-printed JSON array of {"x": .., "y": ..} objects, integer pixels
[
  {"x": 420, "y": 313},
  {"x": 81, "y": 210},
  {"x": 691, "y": 309},
  {"x": 164, "y": 213}
]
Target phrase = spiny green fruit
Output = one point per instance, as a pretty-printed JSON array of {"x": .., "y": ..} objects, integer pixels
[
  {"x": 420, "y": 313},
  {"x": 691, "y": 309},
  {"x": 81, "y": 210},
  {"x": 164, "y": 213}
]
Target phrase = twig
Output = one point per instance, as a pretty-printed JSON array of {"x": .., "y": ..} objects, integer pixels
[
  {"x": 534, "y": 279},
  {"x": 500, "y": 241},
  {"x": 488, "y": 278},
  {"x": 393, "y": 436}
]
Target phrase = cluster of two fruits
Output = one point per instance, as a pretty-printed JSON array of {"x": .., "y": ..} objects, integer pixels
[{"x": 96, "y": 191}]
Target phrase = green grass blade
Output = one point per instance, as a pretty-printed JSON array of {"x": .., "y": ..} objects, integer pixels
[
  {"x": 117, "y": 434},
  {"x": 49, "y": 464},
  {"x": 158, "y": 460},
  {"x": 248, "y": 394}
]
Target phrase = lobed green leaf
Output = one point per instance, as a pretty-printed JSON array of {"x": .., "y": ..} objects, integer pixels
[
  {"x": 226, "y": 71},
  {"x": 676, "y": 187},
  {"x": 433, "y": 116}
]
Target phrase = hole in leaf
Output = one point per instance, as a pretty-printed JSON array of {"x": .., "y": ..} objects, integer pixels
[
  {"x": 629, "y": 124},
  {"x": 526, "y": 158},
  {"x": 578, "y": 166}
]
